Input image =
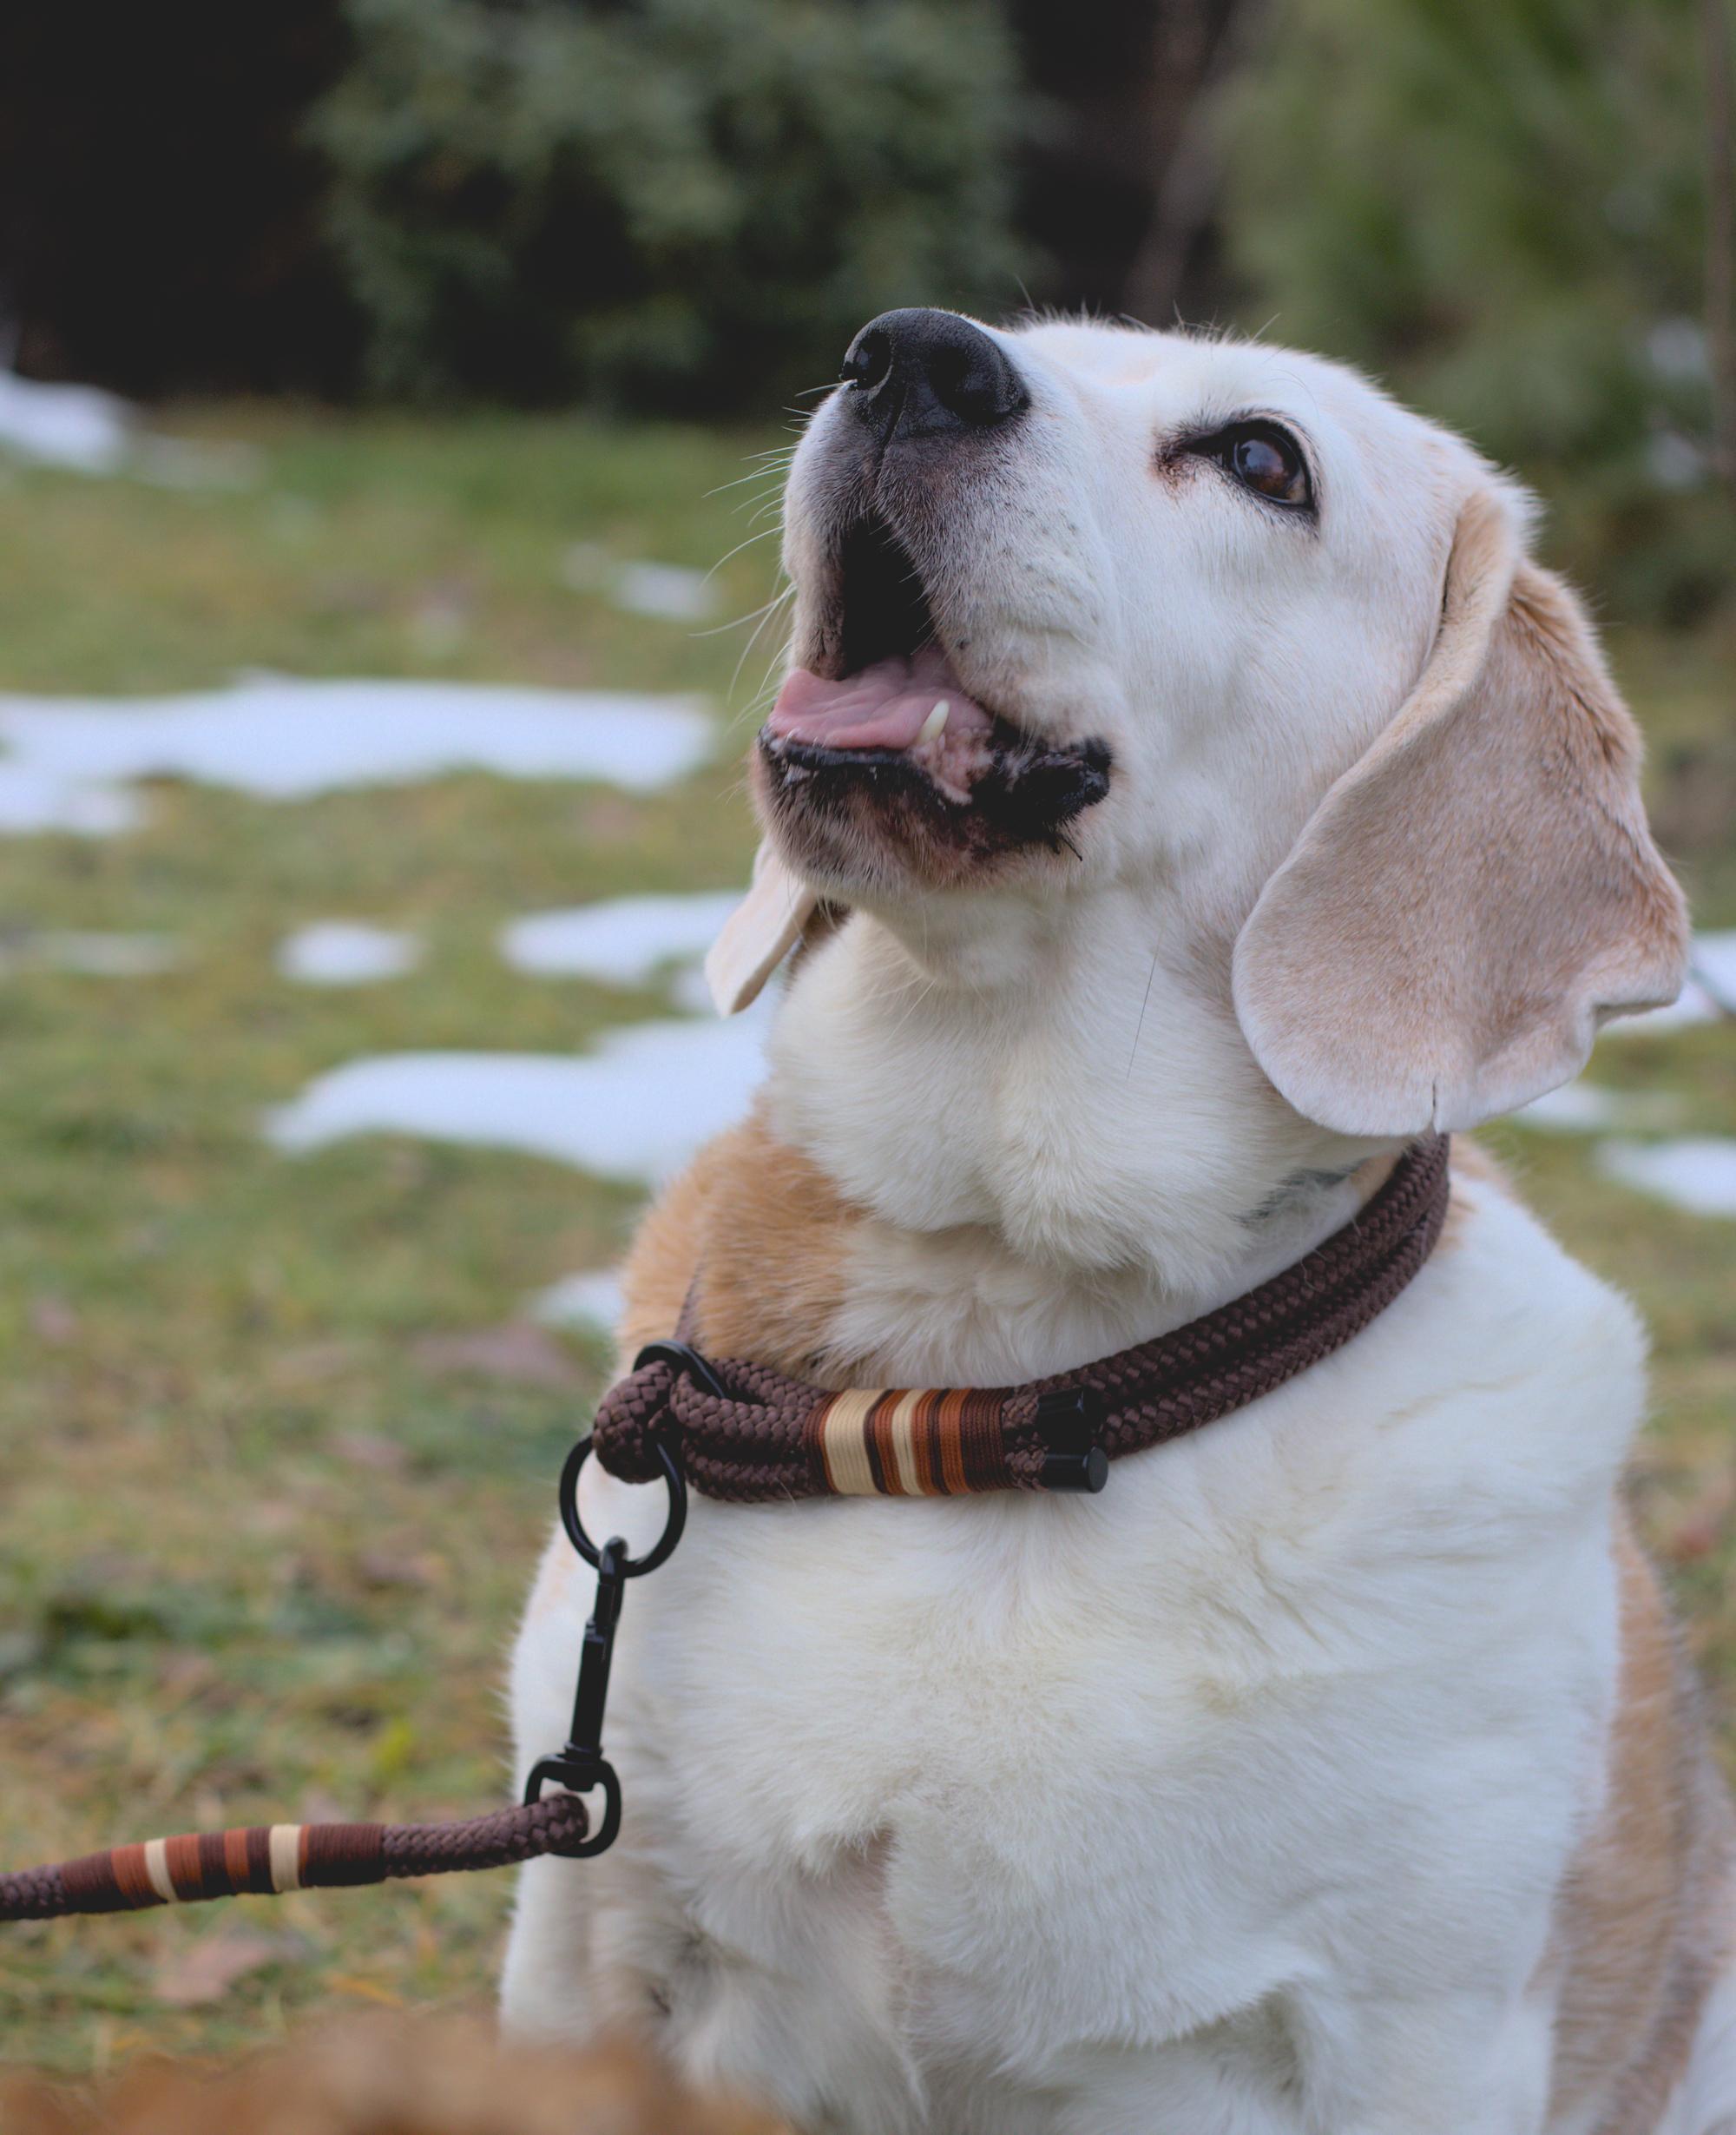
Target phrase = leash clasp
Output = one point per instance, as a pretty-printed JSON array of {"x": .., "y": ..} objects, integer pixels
[{"x": 580, "y": 1766}]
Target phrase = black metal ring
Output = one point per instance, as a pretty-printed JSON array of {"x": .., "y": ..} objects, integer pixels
[
  {"x": 629, "y": 1567},
  {"x": 580, "y": 1780}
]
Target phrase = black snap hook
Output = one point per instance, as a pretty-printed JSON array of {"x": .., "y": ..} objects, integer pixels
[{"x": 627, "y": 1567}]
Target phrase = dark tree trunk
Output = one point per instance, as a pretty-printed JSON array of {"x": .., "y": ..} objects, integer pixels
[{"x": 1122, "y": 181}]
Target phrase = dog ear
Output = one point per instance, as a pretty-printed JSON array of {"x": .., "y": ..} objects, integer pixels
[
  {"x": 759, "y": 934},
  {"x": 1477, "y": 895}
]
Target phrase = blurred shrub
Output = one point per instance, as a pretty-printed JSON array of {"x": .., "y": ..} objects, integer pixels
[
  {"x": 689, "y": 202},
  {"x": 1501, "y": 205}
]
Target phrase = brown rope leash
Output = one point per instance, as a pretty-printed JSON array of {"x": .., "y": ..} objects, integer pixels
[
  {"x": 742, "y": 1432},
  {"x": 267, "y": 1859}
]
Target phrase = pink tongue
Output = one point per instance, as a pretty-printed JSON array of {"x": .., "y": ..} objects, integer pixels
[{"x": 883, "y": 707}]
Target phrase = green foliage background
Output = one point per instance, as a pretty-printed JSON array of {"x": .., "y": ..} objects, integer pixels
[
  {"x": 1502, "y": 206},
  {"x": 681, "y": 202}
]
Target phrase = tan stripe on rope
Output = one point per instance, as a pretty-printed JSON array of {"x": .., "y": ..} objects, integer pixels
[
  {"x": 901, "y": 1426},
  {"x": 156, "y": 1868},
  {"x": 843, "y": 1438},
  {"x": 286, "y": 1856}
]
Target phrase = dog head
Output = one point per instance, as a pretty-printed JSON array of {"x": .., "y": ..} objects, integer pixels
[{"x": 1080, "y": 605}]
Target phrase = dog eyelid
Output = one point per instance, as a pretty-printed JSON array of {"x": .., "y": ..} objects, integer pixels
[{"x": 1236, "y": 446}]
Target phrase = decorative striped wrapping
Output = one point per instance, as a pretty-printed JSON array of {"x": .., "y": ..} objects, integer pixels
[
  {"x": 926, "y": 1443},
  {"x": 263, "y": 1859}
]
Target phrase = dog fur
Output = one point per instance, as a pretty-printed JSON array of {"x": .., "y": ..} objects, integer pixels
[{"x": 1335, "y": 1770}]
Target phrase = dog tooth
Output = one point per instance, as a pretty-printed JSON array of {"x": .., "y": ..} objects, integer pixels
[{"x": 935, "y": 725}]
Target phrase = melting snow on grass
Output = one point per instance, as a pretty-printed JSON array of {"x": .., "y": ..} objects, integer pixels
[
  {"x": 1589, "y": 1108},
  {"x": 633, "y": 1109},
  {"x": 347, "y": 952},
  {"x": 1697, "y": 1172},
  {"x": 72, "y": 759},
  {"x": 76, "y": 426},
  {"x": 667, "y": 592},
  {"x": 1708, "y": 996},
  {"x": 625, "y": 941},
  {"x": 592, "y": 1302},
  {"x": 91, "y": 432}
]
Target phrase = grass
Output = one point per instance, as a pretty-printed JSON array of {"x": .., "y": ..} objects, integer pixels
[{"x": 258, "y": 1559}]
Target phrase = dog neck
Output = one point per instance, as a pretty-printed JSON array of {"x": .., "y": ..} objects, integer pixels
[{"x": 1049, "y": 1104}]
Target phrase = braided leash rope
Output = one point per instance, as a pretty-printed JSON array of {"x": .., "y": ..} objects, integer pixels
[
  {"x": 745, "y": 1433},
  {"x": 267, "y": 1859}
]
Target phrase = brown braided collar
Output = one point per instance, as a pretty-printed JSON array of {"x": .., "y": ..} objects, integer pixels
[{"x": 753, "y": 1435}]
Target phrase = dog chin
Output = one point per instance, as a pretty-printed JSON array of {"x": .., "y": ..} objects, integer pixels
[{"x": 861, "y": 820}]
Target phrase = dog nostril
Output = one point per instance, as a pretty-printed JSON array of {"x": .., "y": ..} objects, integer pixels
[
  {"x": 868, "y": 359},
  {"x": 975, "y": 391}
]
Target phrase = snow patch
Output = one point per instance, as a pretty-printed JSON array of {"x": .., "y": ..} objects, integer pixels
[
  {"x": 1697, "y": 1172},
  {"x": 90, "y": 431},
  {"x": 624, "y": 941},
  {"x": 347, "y": 952},
  {"x": 35, "y": 800},
  {"x": 1589, "y": 1108},
  {"x": 73, "y": 759},
  {"x": 593, "y": 1300},
  {"x": 76, "y": 426},
  {"x": 667, "y": 592},
  {"x": 1709, "y": 995},
  {"x": 635, "y": 1109}
]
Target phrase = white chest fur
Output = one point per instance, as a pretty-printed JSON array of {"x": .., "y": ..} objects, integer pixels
[{"x": 1214, "y": 1797}]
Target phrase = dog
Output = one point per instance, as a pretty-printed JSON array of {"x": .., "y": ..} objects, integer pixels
[
  {"x": 445, "y": 2077},
  {"x": 1187, "y": 793}
]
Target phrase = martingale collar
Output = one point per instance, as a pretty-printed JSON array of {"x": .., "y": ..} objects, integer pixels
[{"x": 750, "y": 1435}]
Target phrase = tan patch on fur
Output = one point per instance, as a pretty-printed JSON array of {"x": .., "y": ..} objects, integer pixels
[
  {"x": 1473, "y": 1161},
  {"x": 1645, "y": 1918},
  {"x": 448, "y": 2077},
  {"x": 765, "y": 1232},
  {"x": 1470, "y": 1160}
]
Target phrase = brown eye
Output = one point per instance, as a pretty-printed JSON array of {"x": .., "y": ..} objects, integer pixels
[
  {"x": 1264, "y": 464},
  {"x": 1264, "y": 459}
]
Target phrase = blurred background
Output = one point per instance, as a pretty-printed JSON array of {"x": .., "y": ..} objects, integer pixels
[{"x": 393, "y": 397}]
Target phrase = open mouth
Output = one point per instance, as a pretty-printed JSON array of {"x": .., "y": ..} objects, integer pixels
[{"x": 891, "y": 740}]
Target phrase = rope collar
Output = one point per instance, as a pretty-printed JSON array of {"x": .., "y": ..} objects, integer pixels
[{"x": 748, "y": 1434}]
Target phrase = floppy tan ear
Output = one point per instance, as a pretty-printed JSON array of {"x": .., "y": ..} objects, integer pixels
[
  {"x": 759, "y": 934},
  {"x": 1473, "y": 899}
]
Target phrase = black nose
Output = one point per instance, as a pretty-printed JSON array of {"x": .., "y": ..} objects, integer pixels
[{"x": 928, "y": 374}]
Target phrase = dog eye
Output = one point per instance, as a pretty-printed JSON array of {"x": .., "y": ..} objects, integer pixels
[{"x": 1264, "y": 459}]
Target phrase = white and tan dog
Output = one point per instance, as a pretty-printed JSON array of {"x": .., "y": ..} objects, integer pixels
[{"x": 1333, "y": 1770}]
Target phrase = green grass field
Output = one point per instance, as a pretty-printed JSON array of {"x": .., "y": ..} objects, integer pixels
[{"x": 262, "y": 1556}]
